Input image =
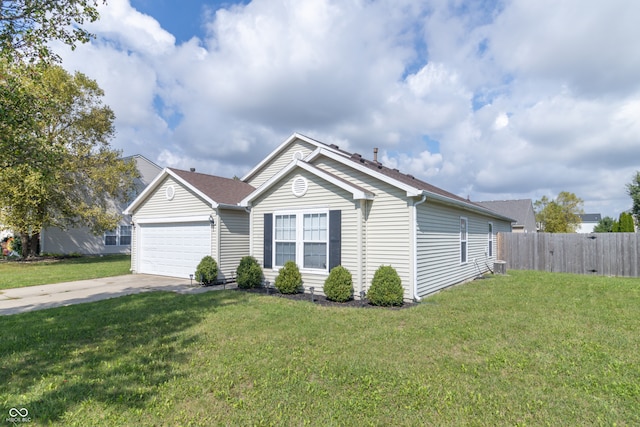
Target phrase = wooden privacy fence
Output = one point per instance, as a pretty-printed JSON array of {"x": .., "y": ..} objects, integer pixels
[{"x": 606, "y": 254}]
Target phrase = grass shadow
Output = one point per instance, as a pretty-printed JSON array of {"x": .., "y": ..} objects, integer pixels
[{"x": 117, "y": 352}]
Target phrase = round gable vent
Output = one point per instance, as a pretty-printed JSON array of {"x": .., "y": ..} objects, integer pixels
[
  {"x": 298, "y": 155},
  {"x": 299, "y": 186},
  {"x": 170, "y": 192}
]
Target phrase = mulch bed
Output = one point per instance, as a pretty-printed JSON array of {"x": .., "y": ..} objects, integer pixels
[{"x": 322, "y": 300}]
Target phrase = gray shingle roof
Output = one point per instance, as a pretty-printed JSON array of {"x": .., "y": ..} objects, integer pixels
[
  {"x": 517, "y": 209},
  {"x": 592, "y": 217},
  {"x": 221, "y": 190}
]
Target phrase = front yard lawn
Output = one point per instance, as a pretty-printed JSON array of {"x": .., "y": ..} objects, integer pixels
[
  {"x": 528, "y": 348},
  {"x": 17, "y": 274}
]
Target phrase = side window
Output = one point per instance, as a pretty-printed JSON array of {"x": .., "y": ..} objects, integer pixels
[
  {"x": 111, "y": 238},
  {"x": 125, "y": 235},
  {"x": 463, "y": 240},
  {"x": 121, "y": 236}
]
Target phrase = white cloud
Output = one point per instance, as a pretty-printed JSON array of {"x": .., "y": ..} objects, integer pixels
[{"x": 488, "y": 99}]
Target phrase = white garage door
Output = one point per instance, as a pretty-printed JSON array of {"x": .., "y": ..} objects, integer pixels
[{"x": 173, "y": 249}]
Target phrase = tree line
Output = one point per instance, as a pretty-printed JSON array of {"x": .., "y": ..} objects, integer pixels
[
  {"x": 562, "y": 214},
  {"x": 57, "y": 167}
]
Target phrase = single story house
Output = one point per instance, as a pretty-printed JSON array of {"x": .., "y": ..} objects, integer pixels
[
  {"x": 54, "y": 240},
  {"x": 183, "y": 216},
  {"x": 520, "y": 210},
  {"x": 319, "y": 206}
]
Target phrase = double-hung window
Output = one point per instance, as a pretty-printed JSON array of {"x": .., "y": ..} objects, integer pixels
[
  {"x": 121, "y": 236},
  {"x": 301, "y": 237},
  {"x": 285, "y": 238},
  {"x": 463, "y": 240},
  {"x": 315, "y": 240},
  {"x": 111, "y": 238}
]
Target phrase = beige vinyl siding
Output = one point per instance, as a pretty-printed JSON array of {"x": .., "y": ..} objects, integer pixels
[
  {"x": 184, "y": 203},
  {"x": 322, "y": 195},
  {"x": 388, "y": 224},
  {"x": 438, "y": 240},
  {"x": 281, "y": 160},
  {"x": 234, "y": 240}
]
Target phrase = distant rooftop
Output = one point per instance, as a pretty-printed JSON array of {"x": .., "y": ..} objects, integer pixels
[{"x": 591, "y": 217}]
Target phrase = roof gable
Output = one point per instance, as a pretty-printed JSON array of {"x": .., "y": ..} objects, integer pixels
[
  {"x": 215, "y": 190},
  {"x": 282, "y": 147},
  {"x": 356, "y": 191}
]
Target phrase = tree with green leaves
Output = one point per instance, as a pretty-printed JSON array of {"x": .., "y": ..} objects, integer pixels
[
  {"x": 625, "y": 223},
  {"x": 58, "y": 168},
  {"x": 560, "y": 215},
  {"x": 633, "y": 189},
  {"x": 605, "y": 225},
  {"x": 27, "y": 26}
]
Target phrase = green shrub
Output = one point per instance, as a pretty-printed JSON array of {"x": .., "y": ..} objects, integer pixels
[
  {"x": 289, "y": 279},
  {"x": 339, "y": 285},
  {"x": 386, "y": 287},
  {"x": 207, "y": 271},
  {"x": 248, "y": 273}
]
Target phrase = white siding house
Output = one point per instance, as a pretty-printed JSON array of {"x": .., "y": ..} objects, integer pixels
[
  {"x": 182, "y": 217},
  {"x": 321, "y": 206}
]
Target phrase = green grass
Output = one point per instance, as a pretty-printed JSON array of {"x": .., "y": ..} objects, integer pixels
[
  {"x": 14, "y": 274},
  {"x": 528, "y": 348}
]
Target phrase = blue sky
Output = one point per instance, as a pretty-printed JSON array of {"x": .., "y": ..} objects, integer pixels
[{"x": 494, "y": 99}]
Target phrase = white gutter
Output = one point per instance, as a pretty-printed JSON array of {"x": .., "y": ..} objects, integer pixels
[
  {"x": 361, "y": 278},
  {"x": 415, "y": 246}
]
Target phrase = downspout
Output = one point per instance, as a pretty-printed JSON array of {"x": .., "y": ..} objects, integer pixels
[
  {"x": 415, "y": 246},
  {"x": 363, "y": 207},
  {"x": 248, "y": 210}
]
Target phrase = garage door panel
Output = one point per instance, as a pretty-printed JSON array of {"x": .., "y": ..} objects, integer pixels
[{"x": 173, "y": 249}]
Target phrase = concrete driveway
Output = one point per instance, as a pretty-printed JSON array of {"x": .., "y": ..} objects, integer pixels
[{"x": 19, "y": 300}]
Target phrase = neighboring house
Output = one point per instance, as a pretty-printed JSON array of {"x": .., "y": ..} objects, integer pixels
[
  {"x": 183, "y": 216},
  {"x": 81, "y": 240},
  {"x": 521, "y": 210},
  {"x": 588, "y": 222},
  {"x": 321, "y": 207}
]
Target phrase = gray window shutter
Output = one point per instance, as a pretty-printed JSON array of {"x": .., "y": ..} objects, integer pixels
[
  {"x": 335, "y": 239},
  {"x": 268, "y": 241}
]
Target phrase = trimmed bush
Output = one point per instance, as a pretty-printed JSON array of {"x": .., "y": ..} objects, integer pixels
[
  {"x": 207, "y": 271},
  {"x": 386, "y": 287},
  {"x": 339, "y": 285},
  {"x": 289, "y": 279},
  {"x": 248, "y": 273}
]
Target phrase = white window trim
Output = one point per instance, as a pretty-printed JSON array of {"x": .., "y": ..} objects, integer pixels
[
  {"x": 118, "y": 235},
  {"x": 465, "y": 240},
  {"x": 491, "y": 240},
  {"x": 299, "y": 213}
]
